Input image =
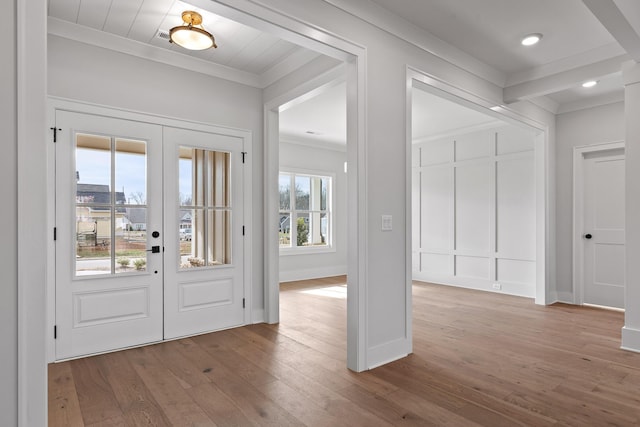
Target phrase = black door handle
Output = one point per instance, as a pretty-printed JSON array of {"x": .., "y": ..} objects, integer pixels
[
  {"x": 154, "y": 249},
  {"x": 588, "y": 236}
]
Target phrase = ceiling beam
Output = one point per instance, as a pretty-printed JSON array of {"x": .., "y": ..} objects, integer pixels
[
  {"x": 562, "y": 80},
  {"x": 613, "y": 15}
]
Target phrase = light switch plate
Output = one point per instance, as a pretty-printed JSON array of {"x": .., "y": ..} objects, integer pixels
[{"x": 387, "y": 222}]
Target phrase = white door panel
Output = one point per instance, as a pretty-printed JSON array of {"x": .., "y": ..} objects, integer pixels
[
  {"x": 604, "y": 240},
  {"x": 108, "y": 287},
  {"x": 204, "y": 288}
]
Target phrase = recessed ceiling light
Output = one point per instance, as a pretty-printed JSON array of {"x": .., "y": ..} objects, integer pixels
[
  {"x": 590, "y": 83},
  {"x": 531, "y": 39}
]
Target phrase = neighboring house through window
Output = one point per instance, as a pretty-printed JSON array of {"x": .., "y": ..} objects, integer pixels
[{"x": 305, "y": 211}]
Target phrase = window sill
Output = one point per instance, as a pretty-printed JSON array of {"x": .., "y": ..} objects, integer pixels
[{"x": 306, "y": 250}]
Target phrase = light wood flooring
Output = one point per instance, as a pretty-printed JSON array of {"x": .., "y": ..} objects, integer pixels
[{"x": 479, "y": 359}]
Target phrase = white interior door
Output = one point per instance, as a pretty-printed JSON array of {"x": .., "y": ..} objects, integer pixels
[
  {"x": 603, "y": 235},
  {"x": 108, "y": 203},
  {"x": 204, "y": 287}
]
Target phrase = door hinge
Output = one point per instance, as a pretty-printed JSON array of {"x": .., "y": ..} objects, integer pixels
[
  {"x": 244, "y": 153},
  {"x": 243, "y": 302},
  {"x": 55, "y": 133},
  {"x": 55, "y": 332},
  {"x": 243, "y": 230},
  {"x": 55, "y": 233}
]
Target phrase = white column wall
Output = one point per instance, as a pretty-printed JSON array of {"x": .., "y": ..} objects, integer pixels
[
  {"x": 9, "y": 247},
  {"x": 309, "y": 266},
  {"x": 474, "y": 211},
  {"x": 631, "y": 329},
  {"x": 590, "y": 126}
]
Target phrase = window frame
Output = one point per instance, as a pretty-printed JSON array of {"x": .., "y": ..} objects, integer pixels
[{"x": 330, "y": 209}]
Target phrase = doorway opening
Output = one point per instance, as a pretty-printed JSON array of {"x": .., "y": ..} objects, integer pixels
[
  {"x": 312, "y": 185},
  {"x": 478, "y": 196}
]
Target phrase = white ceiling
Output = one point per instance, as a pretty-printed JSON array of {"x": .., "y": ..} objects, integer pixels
[
  {"x": 240, "y": 48},
  {"x": 491, "y": 30},
  {"x": 322, "y": 118},
  {"x": 583, "y": 39}
]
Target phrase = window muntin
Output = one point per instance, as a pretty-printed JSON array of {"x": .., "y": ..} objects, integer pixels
[
  {"x": 305, "y": 211},
  {"x": 204, "y": 220}
]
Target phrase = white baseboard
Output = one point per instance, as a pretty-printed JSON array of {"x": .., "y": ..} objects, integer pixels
[
  {"x": 312, "y": 273},
  {"x": 508, "y": 288},
  {"x": 630, "y": 339},
  {"x": 388, "y": 352}
]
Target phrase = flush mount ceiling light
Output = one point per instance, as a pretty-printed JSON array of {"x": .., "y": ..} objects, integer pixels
[
  {"x": 590, "y": 83},
  {"x": 189, "y": 36},
  {"x": 531, "y": 39}
]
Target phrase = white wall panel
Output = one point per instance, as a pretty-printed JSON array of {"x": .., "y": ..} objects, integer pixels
[
  {"x": 436, "y": 152},
  {"x": 474, "y": 206},
  {"x": 516, "y": 271},
  {"x": 475, "y": 267},
  {"x": 516, "y": 208},
  {"x": 437, "y": 217},
  {"x": 437, "y": 264},
  {"x": 474, "y": 145},
  {"x": 511, "y": 139},
  {"x": 475, "y": 225}
]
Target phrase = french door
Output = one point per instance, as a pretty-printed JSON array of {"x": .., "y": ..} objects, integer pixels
[{"x": 148, "y": 233}]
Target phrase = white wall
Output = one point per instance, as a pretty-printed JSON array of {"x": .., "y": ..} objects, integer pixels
[
  {"x": 474, "y": 210},
  {"x": 300, "y": 267},
  {"x": 583, "y": 127},
  {"x": 87, "y": 73},
  {"x": 8, "y": 249}
]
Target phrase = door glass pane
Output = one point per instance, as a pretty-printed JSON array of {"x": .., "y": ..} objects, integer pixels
[
  {"x": 93, "y": 205},
  {"x": 217, "y": 179},
  {"x": 204, "y": 227},
  {"x": 131, "y": 240},
  {"x": 93, "y": 241},
  {"x": 131, "y": 171}
]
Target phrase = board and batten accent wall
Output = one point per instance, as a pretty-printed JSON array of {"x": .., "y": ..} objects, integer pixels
[{"x": 474, "y": 210}]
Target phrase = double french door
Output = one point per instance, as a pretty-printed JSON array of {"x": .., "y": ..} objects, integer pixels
[{"x": 149, "y": 239}]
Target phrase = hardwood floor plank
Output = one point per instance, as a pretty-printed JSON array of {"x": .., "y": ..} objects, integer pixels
[
  {"x": 136, "y": 401},
  {"x": 178, "y": 407},
  {"x": 479, "y": 359},
  {"x": 97, "y": 401},
  {"x": 64, "y": 407}
]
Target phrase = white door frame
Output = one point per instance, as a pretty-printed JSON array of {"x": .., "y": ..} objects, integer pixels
[
  {"x": 425, "y": 81},
  {"x": 356, "y": 209},
  {"x": 578, "y": 212},
  {"x": 54, "y": 104}
]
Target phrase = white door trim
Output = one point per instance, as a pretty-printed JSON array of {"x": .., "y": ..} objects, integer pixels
[
  {"x": 578, "y": 212},
  {"x": 544, "y": 216},
  {"x": 55, "y": 103}
]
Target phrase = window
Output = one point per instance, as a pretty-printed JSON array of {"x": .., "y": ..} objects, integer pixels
[{"x": 305, "y": 211}]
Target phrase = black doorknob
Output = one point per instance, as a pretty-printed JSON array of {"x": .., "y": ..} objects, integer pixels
[
  {"x": 155, "y": 234},
  {"x": 588, "y": 236}
]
